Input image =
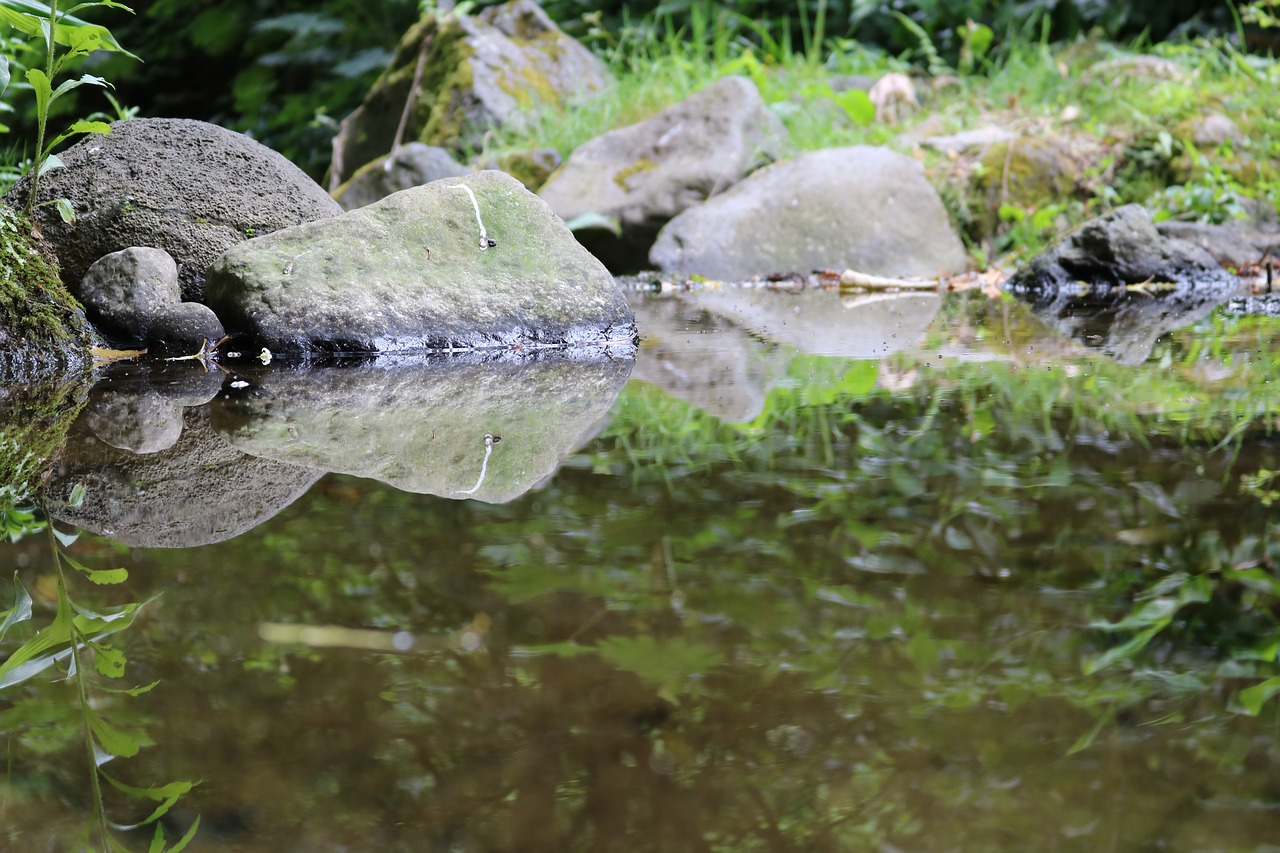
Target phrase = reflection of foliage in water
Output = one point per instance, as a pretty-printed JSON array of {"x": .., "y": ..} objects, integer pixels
[
  {"x": 862, "y": 619},
  {"x": 76, "y": 637}
]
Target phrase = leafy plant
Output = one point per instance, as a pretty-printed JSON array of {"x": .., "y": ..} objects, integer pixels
[
  {"x": 76, "y": 637},
  {"x": 50, "y": 27}
]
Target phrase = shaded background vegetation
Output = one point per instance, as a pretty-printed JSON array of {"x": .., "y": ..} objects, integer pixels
[{"x": 284, "y": 71}]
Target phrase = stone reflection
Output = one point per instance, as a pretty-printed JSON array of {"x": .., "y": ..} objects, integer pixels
[
  {"x": 154, "y": 471},
  {"x": 722, "y": 349},
  {"x": 487, "y": 431}
]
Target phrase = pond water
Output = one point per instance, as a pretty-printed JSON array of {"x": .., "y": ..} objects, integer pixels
[{"x": 910, "y": 574}]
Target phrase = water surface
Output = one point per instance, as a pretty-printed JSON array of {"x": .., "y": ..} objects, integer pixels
[{"x": 799, "y": 584}]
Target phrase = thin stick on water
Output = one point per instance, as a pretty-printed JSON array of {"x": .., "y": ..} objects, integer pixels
[{"x": 485, "y": 242}]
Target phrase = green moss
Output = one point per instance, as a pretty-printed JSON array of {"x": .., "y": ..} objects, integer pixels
[
  {"x": 1023, "y": 173},
  {"x": 33, "y": 429},
  {"x": 644, "y": 164},
  {"x": 36, "y": 310}
]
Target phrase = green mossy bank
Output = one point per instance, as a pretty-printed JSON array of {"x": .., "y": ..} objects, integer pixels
[
  {"x": 45, "y": 356},
  {"x": 43, "y": 330}
]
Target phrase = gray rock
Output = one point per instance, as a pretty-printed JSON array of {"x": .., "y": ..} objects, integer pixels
[
  {"x": 981, "y": 137},
  {"x": 197, "y": 491},
  {"x": 411, "y": 165},
  {"x": 422, "y": 428},
  {"x": 647, "y": 173},
  {"x": 190, "y": 188},
  {"x": 863, "y": 208},
  {"x": 125, "y": 291},
  {"x": 1230, "y": 244},
  {"x": 1212, "y": 130},
  {"x": 408, "y": 274},
  {"x": 183, "y": 329},
  {"x": 1116, "y": 284},
  {"x": 478, "y": 73},
  {"x": 1120, "y": 248}
]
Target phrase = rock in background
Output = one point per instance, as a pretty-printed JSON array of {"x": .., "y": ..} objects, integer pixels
[
  {"x": 191, "y": 188},
  {"x": 647, "y": 173},
  {"x": 862, "y": 208},
  {"x": 409, "y": 166},
  {"x": 409, "y": 274},
  {"x": 1116, "y": 284},
  {"x": 461, "y": 76}
]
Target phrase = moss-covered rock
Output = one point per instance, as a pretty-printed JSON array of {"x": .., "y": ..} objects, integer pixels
[
  {"x": 1024, "y": 173},
  {"x": 472, "y": 74},
  {"x": 43, "y": 330}
]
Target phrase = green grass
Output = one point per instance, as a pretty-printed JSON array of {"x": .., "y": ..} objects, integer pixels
[{"x": 1028, "y": 85}]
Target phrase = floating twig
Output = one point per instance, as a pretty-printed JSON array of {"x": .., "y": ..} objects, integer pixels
[
  {"x": 485, "y": 242},
  {"x": 853, "y": 278}
]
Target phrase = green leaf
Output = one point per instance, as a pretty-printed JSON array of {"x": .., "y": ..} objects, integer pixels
[
  {"x": 115, "y": 741},
  {"x": 33, "y": 657},
  {"x": 21, "y": 609},
  {"x": 50, "y": 163},
  {"x": 41, "y": 88},
  {"x": 166, "y": 795},
  {"x": 131, "y": 691},
  {"x": 66, "y": 212},
  {"x": 98, "y": 576},
  {"x": 4, "y": 74},
  {"x": 66, "y": 539},
  {"x": 182, "y": 842},
  {"x": 858, "y": 105},
  {"x": 78, "y": 491},
  {"x": 68, "y": 85},
  {"x": 1124, "y": 651},
  {"x": 109, "y": 661},
  {"x": 1086, "y": 740},
  {"x": 24, "y": 22},
  {"x": 1250, "y": 700},
  {"x": 591, "y": 219}
]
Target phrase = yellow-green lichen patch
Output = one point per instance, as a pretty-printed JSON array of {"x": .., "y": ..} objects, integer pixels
[{"x": 639, "y": 167}]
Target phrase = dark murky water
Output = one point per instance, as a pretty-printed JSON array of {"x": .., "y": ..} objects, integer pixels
[{"x": 810, "y": 578}]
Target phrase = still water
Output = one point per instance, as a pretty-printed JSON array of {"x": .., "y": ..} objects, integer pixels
[{"x": 813, "y": 574}]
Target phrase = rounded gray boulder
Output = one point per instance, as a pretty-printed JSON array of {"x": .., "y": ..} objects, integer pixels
[
  {"x": 863, "y": 208},
  {"x": 191, "y": 188}
]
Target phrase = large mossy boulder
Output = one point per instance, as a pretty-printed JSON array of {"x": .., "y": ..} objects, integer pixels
[
  {"x": 43, "y": 329},
  {"x": 473, "y": 263},
  {"x": 462, "y": 75},
  {"x": 645, "y": 174},
  {"x": 865, "y": 208},
  {"x": 190, "y": 188}
]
